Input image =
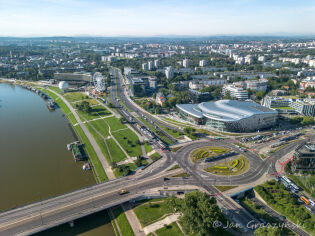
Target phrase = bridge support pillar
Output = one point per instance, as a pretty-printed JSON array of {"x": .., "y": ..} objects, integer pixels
[{"x": 71, "y": 223}]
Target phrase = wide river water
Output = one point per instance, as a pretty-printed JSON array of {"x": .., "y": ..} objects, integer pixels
[{"x": 34, "y": 161}]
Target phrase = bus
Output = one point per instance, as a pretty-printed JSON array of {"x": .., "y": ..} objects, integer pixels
[{"x": 305, "y": 200}]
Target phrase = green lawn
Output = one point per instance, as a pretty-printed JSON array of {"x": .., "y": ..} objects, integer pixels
[
  {"x": 101, "y": 126},
  {"x": 150, "y": 212},
  {"x": 223, "y": 188},
  {"x": 148, "y": 148},
  {"x": 75, "y": 96},
  {"x": 56, "y": 89},
  {"x": 283, "y": 202},
  {"x": 235, "y": 167},
  {"x": 123, "y": 222},
  {"x": 206, "y": 152},
  {"x": 114, "y": 124},
  {"x": 169, "y": 230},
  {"x": 175, "y": 149},
  {"x": 155, "y": 156},
  {"x": 115, "y": 152},
  {"x": 96, "y": 112},
  {"x": 128, "y": 140}
]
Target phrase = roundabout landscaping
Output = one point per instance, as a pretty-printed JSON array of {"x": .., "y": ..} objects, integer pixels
[
  {"x": 234, "y": 167},
  {"x": 207, "y": 152}
]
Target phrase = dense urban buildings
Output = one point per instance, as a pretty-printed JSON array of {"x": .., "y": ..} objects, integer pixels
[{"x": 304, "y": 158}]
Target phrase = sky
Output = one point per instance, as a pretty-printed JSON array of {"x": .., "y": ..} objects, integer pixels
[{"x": 156, "y": 17}]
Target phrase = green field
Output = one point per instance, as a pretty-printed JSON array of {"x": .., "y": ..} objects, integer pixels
[
  {"x": 235, "y": 167},
  {"x": 152, "y": 211},
  {"x": 206, "y": 152},
  {"x": 75, "y": 96},
  {"x": 223, "y": 188},
  {"x": 174, "y": 168},
  {"x": 283, "y": 202},
  {"x": 115, "y": 152},
  {"x": 115, "y": 124},
  {"x": 123, "y": 222},
  {"x": 169, "y": 230},
  {"x": 101, "y": 126},
  {"x": 148, "y": 148},
  {"x": 96, "y": 112},
  {"x": 173, "y": 133},
  {"x": 128, "y": 140}
]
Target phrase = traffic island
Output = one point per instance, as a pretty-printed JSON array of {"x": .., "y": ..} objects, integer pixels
[
  {"x": 207, "y": 152},
  {"x": 234, "y": 167}
]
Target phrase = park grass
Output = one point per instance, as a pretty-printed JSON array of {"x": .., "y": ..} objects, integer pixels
[
  {"x": 262, "y": 214},
  {"x": 96, "y": 112},
  {"x": 183, "y": 174},
  {"x": 75, "y": 96},
  {"x": 169, "y": 230},
  {"x": 155, "y": 156},
  {"x": 114, "y": 124},
  {"x": 174, "y": 122},
  {"x": 128, "y": 140},
  {"x": 150, "y": 212},
  {"x": 101, "y": 126},
  {"x": 224, "y": 188},
  {"x": 235, "y": 167},
  {"x": 123, "y": 222},
  {"x": 282, "y": 201},
  {"x": 206, "y": 152},
  {"x": 56, "y": 89},
  {"x": 115, "y": 152},
  {"x": 148, "y": 148}
]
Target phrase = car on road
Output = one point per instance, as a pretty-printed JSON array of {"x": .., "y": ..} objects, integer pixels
[
  {"x": 122, "y": 192},
  {"x": 165, "y": 179}
]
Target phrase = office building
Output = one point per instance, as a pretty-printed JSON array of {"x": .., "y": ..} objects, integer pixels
[{"x": 235, "y": 92}]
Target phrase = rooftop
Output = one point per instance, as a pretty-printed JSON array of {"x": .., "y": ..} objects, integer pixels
[{"x": 225, "y": 110}]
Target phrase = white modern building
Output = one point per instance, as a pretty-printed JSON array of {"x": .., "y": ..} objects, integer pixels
[
  {"x": 99, "y": 82},
  {"x": 235, "y": 92},
  {"x": 202, "y": 63},
  {"x": 186, "y": 63},
  {"x": 156, "y": 63},
  {"x": 229, "y": 115},
  {"x": 169, "y": 72},
  {"x": 150, "y": 65}
]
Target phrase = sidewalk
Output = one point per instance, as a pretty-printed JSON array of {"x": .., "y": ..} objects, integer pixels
[{"x": 133, "y": 220}]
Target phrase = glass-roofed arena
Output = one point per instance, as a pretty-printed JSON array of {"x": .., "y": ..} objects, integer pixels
[{"x": 229, "y": 115}]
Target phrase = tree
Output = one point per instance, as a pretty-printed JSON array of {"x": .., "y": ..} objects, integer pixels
[
  {"x": 110, "y": 105},
  {"x": 307, "y": 120},
  {"x": 84, "y": 107},
  {"x": 199, "y": 212},
  {"x": 122, "y": 120},
  {"x": 268, "y": 231}
]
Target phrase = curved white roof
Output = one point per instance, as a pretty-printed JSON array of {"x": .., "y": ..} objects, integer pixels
[{"x": 225, "y": 110}]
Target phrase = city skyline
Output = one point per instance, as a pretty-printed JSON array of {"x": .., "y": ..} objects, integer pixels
[{"x": 159, "y": 18}]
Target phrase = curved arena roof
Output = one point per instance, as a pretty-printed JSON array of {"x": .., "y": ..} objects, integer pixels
[{"x": 225, "y": 110}]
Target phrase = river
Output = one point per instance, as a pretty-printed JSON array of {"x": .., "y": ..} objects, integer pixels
[{"x": 34, "y": 161}]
